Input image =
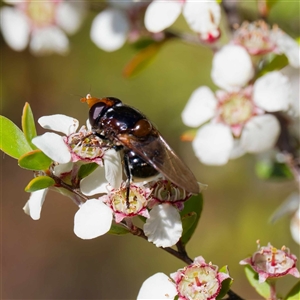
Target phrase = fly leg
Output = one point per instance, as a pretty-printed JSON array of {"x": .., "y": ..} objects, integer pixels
[{"x": 128, "y": 175}]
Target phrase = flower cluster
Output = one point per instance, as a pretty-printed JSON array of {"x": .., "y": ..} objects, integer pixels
[
  {"x": 158, "y": 201},
  {"x": 199, "y": 281},
  {"x": 44, "y": 25},
  {"x": 240, "y": 118}
]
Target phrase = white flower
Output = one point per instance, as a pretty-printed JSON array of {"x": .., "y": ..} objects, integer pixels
[
  {"x": 237, "y": 122},
  {"x": 203, "y": 17},
  {"x": 186, "y": 283},
  {"x": 259, "y": 38},
  {"x": 93, "y": 219},
  {"x": 41, "y": 24},
  {"x": 164, "y": 227},
  {"x": 232, "y": 68},
  {"x": 111, "y": 27},
  {"x": 63, "y": 149}
]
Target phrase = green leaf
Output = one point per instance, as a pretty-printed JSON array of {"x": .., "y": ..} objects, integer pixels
[
  {"x": 118, "y": 229},
  {"x": 294, "y": 293},
  {"x": 276, "y": 62},
  {"x": 141, "y": 60},
  {"x": 86, "y": 169},
  {"x": 272, "y": 170},
  {"x": 193, "y": 208},
  {"x": 263, "y": 288},
  {"x": 35, "y": 160},
  {"x": 39, "y": 183},
  {"x": 13, "y": 141},
  {"x": 188, "y": 221},
  {"x": 226, "y": 284},
  {"x": 28, "y": 124},
  {"x": 143, "y": 43}
]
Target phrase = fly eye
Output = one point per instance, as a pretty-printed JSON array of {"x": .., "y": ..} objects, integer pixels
[
  {"x": 142, "y": 128},
  {"x": 95, "y": 113}
]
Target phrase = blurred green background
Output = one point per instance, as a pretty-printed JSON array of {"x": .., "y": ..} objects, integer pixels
[{"x": 44, "y": 259}]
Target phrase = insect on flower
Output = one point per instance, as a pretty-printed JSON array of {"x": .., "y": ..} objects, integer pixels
[{"x": 145, "y": 152}]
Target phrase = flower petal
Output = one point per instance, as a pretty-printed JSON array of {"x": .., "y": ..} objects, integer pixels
[
  {"x": 33, "y": 206},
  {"x": 109, "y": 29},
  {"x": 272, "y": 92},
  {"x": 60, "y": 169},
  {"x": 158, "y": 287},
  {"x": 295, "y": 226},
  {"x": 92, "y": 219},
  {"x": 237, "y": 149},
  {"x": 200, "y": 107},
  {"x": 232, "y": 67},
  {"x": 202, "y": 16},
  {"x": 60, "y": 123},
  {"x": 69, "y": 15},
  {"x": 15, "y": 28},
  {"x": 161, "y": 14},
  {"x": 113, "y": 168},
  {"x": 288, "y": 46},
  {"x": 164, "y": 227},
  {"x": 53, "y": 146},
  {"x": 213, "y": 144},
  {"x": 260, "y": 133},
  {"x": 49, "y": 40},
  {"x": 94, "y": 183}
]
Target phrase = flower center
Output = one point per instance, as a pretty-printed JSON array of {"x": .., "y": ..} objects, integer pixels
[
  {"x": 137, "y": 201},
  {"x": 85, "y": 146},
  {"x": 236, "y": 110},
  {"x": 273, "y": 261},
  {"x": 166, "y": 191},
  {"x": 199, "y": 282},
  {"x": 255, "y": 37},
  {"x": 41, "y": 13}
]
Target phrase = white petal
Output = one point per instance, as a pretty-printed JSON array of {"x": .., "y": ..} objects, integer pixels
[
  {"x": 200, "y": 107},
  {"x": 289, "y": 47},
  {"x": 213, "y": 144},
  {"x": 60, "y": 123},
  {"x": 69, "y": 15},
  {"x": 164, "y": 227},
  {"x": 232, "y": 67},
  {"x": 92, "y": 219},
  {"x": 161, "y": 14},
  {"x": 237, "y": 150},
  {"x": 34, "y": 205},
  {"x": 113, "y": 168},
  {"x": 49, "y": 40},
  {"x": 58, "y": 170},
  {"x": 295, "y": 226},
  {"x": 290, "y": 205},
  {"x": 159, "y": 287},
  {"x": 260, "y": 133},
  {"x": 15, "y": 28},
  {"x": 109, "y": 29},
  {"x": 53, "y": 146},
  {"x": 272, "y": 92},
  {"x": 203, "y": 17},
  {"x": 94, "y": 183}
]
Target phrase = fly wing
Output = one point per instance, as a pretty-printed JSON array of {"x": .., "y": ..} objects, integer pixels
[{"x": 156, "y": 152}]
